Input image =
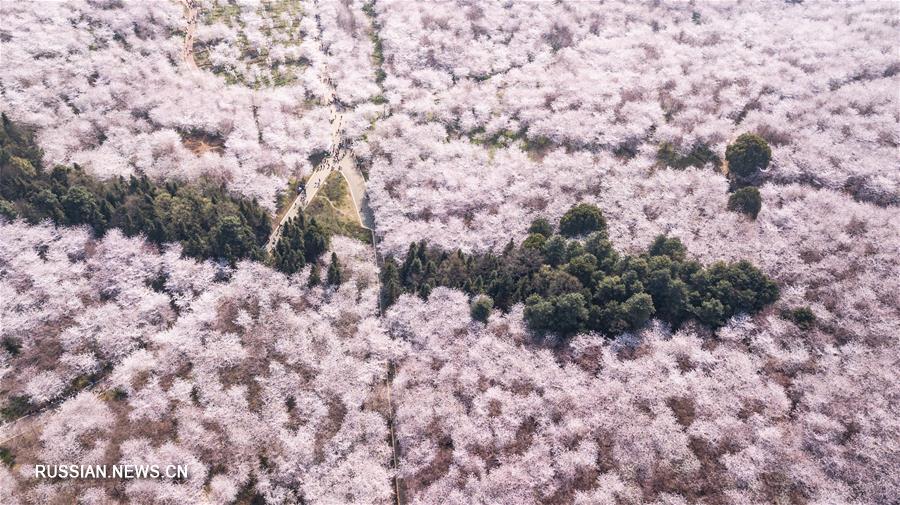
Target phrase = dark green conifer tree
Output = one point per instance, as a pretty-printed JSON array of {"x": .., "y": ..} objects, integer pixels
[{"x": 335, "y": 275}]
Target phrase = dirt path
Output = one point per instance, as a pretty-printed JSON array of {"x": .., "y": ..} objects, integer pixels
[
  {"x": 339, "y": 158},
  {"x": 315, "y": 182},
  {"x": 191, "y": 11}
]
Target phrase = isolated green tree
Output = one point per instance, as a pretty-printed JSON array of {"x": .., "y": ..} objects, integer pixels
[
  {"x": 481, "y": 308},
  {"x": 335, "y": 275},
  {"x": 746, "y": 201},
  {"x": 582, "y": 219},
  {"x": 748, "y": 155},
  {"x": 542, "y": 226},
  {"x": 803, "y": 317}
]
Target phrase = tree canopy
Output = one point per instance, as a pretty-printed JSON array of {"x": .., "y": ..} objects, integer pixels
[
  {"x": 747, "y": 156},
  {"x": 581, "y": 219},
  {"x": 746, "y": 201},
  {"x": 204, "y": 217},
  {"x": 569, "y": 286}
]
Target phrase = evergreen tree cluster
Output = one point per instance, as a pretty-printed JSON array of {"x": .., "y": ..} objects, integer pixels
[
  {"x": 203, "y": 217},
  {"x": 574, "y": 285},
  {"x": 301, "y": 241}
]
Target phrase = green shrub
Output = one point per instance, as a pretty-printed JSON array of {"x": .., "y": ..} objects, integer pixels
[
  {"x": 7, "y": 457},
  {"x": 699, "y": 156},
  {"x": 535, "y": 241},
  {"x": 803, "y": 317},
  {"x": 582, "y": 219},
  {"x": 11, "y": 345},
  {"x": 746, "y": 201},
  {"x": 747, "y": 156},
  {"x": 481, "y": 308},
  {"x": 542, "y": 226}
]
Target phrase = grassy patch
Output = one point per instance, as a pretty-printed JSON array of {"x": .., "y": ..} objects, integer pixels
[
  {"x": 333, "y": 209},
  {"x": 7, "y": 457}
]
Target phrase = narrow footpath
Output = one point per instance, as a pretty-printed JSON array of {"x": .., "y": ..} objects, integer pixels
[
  {"x": 339, "y": 158},
  {"x": 191, "y": 11}
]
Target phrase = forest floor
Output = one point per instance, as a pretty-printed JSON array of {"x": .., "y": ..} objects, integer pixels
[{"x": 200, "y": 144}]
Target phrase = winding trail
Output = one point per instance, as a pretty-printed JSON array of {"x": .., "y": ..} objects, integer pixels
[
  {"x": 191, "y": 12},
  {"x": 339, "y": 158}
]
